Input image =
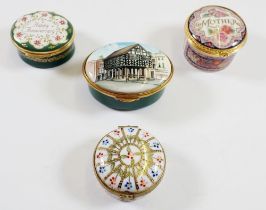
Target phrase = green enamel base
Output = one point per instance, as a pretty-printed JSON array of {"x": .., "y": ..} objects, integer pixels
[
  {"x": 44, "y": 65},
  {"x": 125, "y": 106}
]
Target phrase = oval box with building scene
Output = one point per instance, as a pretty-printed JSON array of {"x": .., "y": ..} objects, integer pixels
[
  {"x": 43, "y": 39},
  {"x": 127, "y": 75}
]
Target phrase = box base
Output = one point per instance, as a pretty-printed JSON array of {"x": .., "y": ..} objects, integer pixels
[
  {"x": 125, "y": 106},
  {"x": 50, "y": 62}
]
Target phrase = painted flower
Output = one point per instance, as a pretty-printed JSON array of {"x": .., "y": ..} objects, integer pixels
[
  {"x": 143, "y": 182},
  {"x": 146, "y": 134},
  {"x": 99, "y": 155},
  {"x": 112, "y": 180},
  {"x": 62, "y": 22},
  {"x": 130, "y": 155},
  {"x": 102, "y": 169},
  {"x": 223, "y": 37},
  {"x": 131, "y": 130},
  {"x": 209, "y": 44},
  {"x": 105, "y": 142},
  {"x": 58, "y": 38},
  {"x": 154, "y": 173},
  {"x": 117, "y": 132},
  {"x": 216, "y": 62},
  {"x": 19, "y": 34},
  {"x": 156, "y": 145},
  {"x": 227, "y": 29},
  {"x": 159, "y": 159},
  {"x": 38, "y": 42},
  {"x": 128, "y": 185}
]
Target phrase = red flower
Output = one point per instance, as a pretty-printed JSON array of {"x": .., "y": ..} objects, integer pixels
[
  {"x": 19, "y": 34},
  {"x": 62, "y": 22},
  {"x": 130, "y": 155},
  {"x": 37, "y": 42},
  {"x": 143, "y": 183},
  {"x": 146, "y": 134},
  {"x": 159, "y": 159},
  {"x": 112, "y": 180},
  {"x": 216, "y": 62},
  {"x": 227, "y": 29},
  {"x": 223, "y": 37},
  {"x": 100, "y": 155},
  {"x": 117, "y": 132},
  {"x": 24, "y": 19},
  {"x": 57, "y": 38}
]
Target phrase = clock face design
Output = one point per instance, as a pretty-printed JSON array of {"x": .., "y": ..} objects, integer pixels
[{"x": 129, "y": 159}]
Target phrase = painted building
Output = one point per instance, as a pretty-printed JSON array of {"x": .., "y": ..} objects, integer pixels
[
  {"x": 161, "y": 65},
  {"x": 132, "y": 63},
  {"x": 129, "y": 63}
]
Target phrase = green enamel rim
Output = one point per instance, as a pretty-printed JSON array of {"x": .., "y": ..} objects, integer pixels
[
  {"x": 125, "y": 106},
  {"x": 50, "y": 47}
]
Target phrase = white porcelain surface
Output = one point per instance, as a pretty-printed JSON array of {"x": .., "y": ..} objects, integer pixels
[{"x": 129, "y": 159}]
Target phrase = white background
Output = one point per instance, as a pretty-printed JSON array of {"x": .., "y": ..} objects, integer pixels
[{"x": 212, "y": 125}]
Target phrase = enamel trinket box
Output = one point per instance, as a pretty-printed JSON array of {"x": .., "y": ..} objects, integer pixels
[
  {"x": 127, "y": 75},
  {"x": 214, "y": 34},
  {"x": 129, "y": 162},
  {"x": 43, "y": 39}
]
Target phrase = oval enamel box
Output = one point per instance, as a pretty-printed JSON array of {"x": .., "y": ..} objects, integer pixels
[
  {"x": 129, "y": 162},
  {"x": 43, "y": 39},
  {"x": 127, "y": 75},
  {"x": 214, "y": 35}
]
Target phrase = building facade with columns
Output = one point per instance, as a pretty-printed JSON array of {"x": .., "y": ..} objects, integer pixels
[{"x": 131, "y": 63}]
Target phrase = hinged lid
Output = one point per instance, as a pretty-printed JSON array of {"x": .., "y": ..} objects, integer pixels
[
  {"x": 129, "y": 162},
  {"x": 42, "y": 34},
  {"x": 127, "y": 71},
  {"x": 216, "y": 30}
]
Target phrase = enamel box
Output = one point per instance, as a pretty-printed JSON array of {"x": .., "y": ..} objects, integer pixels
[
  {"x": 213, "y": 36},
  {"x": 129, "y": 162},
  {"x": 127, "y": 75}
]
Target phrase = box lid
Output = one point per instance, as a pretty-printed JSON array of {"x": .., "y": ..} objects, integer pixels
[
  {"x": 129, "y": 162},
  {"x": 42, "y": 33},
  {"x": 216, "y": 30}
]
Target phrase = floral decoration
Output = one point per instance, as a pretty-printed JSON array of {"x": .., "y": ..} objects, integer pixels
[
  {"x": 112, "y": 180},
  {"x": 129, "y": 162},
  {"x": 99, "y": 155},
  {"x": 40, "y": 30},
  {"x": 128, "y": 185},
  {"x": 102, "y": 169},
  {"x": 105, "y": 142}
]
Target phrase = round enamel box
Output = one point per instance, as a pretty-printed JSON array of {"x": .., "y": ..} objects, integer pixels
[
  {"x": 214, "y": 35},
  {"x": 43, "y": 39},
  {"x": 127, "y": 75},
  {"x": 129, "y": 162}
]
